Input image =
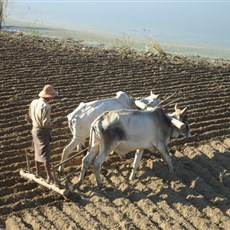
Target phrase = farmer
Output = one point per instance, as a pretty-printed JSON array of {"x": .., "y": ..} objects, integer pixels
[{"x": 39, "y": 113}]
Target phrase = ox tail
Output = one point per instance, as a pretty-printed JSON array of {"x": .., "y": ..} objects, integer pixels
[
  {"x": 71, "y": 123},
  {"x": 94, "y": 135}
]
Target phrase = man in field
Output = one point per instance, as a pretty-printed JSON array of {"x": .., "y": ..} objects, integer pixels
[{"x": 39, "y": 113}]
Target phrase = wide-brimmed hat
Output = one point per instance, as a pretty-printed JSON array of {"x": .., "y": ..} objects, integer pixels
[{"x": 48, "y": 91}]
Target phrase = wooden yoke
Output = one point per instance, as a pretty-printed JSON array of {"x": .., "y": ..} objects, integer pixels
[
  {"x": 140, "y": 104},
  {"x": 178, "y": 124}
]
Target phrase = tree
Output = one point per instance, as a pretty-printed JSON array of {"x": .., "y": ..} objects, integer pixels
[{"x": 2, "y": 13}]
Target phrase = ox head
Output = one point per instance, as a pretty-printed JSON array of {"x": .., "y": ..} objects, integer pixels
[
  {"x": 180, "y": 118},
  {"x": 150, "y": 101}
]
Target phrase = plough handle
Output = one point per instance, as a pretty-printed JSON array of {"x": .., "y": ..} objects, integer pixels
[
  {"x": 70, "y": 158},
  {"x": 167, "y": 98},
  {"x": 27, "y": 161},
  {"x": 69, "y": 175}
]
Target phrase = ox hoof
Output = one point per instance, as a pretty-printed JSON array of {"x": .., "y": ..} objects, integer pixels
[
  {"x": 75, "y": 186},
  {"x": 60, "y": 173},
  {"x": 132, "y": 177},
  {"x": 60, "y": 170},
  {"x": 107, "y": 189},
  {"x": 72, "y": 187},
  {"x": 122, "y": 157},
  {"x": 173, "y": 175},
  {"x": 100, "y": 186},
  {"x": 157, "y": 155}
]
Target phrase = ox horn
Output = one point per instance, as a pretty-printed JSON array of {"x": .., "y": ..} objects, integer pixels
[
  {"x": 175, "y": 107},
  {"x": 151, "y": 93},
  {"x": 184, "y": 110}
]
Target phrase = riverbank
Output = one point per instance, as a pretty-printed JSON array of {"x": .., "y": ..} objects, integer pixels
[{"x": 142, "y": 43}]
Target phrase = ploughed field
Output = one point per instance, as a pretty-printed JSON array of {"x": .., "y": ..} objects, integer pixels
[{"x": 198, "y": 197}]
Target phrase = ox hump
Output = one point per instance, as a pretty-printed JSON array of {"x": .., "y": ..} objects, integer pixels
[{"x": 111, "y": 127}]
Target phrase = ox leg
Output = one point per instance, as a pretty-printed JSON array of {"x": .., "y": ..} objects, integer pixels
[
  {"x": 86, "y": 161},
  {"x": 165, "y": 154},
  {"x": 66, "y": 152},
  {"x": 99, "y": 160},
  {"x": 136, "y": 162}
]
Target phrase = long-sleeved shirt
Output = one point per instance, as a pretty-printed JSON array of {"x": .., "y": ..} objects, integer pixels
[{"x": 39, "y": 113}]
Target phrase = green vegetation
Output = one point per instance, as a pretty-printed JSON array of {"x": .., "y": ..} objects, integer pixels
[
  {"x": 123, "y": 45},
  {"x": 153, "y": 47}
]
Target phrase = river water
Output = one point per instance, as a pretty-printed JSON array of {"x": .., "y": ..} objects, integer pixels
[{"x": 180, "y": 27}]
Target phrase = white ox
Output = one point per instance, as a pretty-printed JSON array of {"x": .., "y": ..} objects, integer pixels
[
  {"x": 82, "y": 117},
  {"x": 128, "y": 130}
]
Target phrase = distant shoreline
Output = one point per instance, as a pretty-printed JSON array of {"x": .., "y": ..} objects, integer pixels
[{"x": 94, "y": 38}]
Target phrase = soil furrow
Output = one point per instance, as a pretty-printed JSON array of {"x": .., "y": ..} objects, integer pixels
[
  {"x": 173, "y": 192},
  {"x": 198, "y": 196},
  {"x": 83, "y": 218},
  {"x": 59, "y": 219},
  {"x": 37, "y": 220},
  {"x": 201, "y": 181}
]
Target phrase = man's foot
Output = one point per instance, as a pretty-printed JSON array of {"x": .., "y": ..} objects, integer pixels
[
  {"x": 50, "y": 180},
  {"x": 40, "y": 174}
]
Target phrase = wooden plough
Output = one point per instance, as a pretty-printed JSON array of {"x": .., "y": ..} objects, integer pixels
[
  {"x": 57, "y": 186},
  {"x": 41, "y": 181}
]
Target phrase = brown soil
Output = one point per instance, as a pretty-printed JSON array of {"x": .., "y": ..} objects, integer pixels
[{"x": 199, "y": 195}]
